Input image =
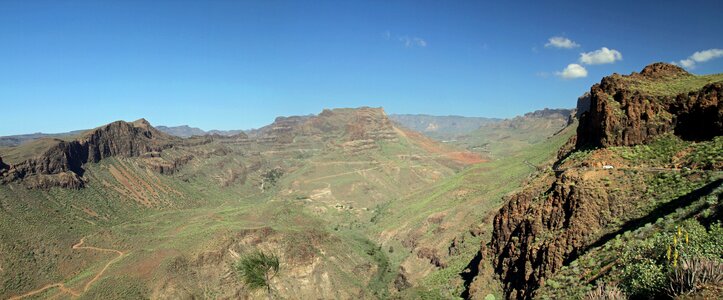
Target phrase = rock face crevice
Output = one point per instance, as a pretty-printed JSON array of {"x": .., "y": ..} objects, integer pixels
[
  {"x": 557, "y": 217},
  {"x": 700, "y": 113},
  {"x": 538, "y": 230},
  {"x": 62, "y": 163}
]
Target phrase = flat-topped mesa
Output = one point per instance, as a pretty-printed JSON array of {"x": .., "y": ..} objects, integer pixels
[
  {"x": 370, "y": 123},
  {"x": 634, "y": 109},
  {"x": 60, "y": 164},
  {"x": 349, "y": 124}
]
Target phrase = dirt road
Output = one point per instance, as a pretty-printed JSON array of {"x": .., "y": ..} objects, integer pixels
[{"x": 87, "y": 286}]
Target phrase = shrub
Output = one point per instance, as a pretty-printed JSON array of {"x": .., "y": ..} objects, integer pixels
[
  {"x": 605, "y": 292},
  {"x": 645, "y": 277},
  {"x": 257, "y": 269},
  {"x": 692, "y": 273},
  {"x": 649, "y": 264}
]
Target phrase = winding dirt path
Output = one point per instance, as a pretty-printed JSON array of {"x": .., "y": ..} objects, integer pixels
[{"x": 87, "y": 286}]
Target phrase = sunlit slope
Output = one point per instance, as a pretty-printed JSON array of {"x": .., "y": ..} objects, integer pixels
[{"x": 171, "y": 224}]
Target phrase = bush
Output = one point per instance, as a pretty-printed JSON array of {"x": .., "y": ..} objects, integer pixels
[
  {"x": 605, "y": 292},
  {"x": 644, "y": 278},
  {"x": 257, "y": 269},
  {"x": 648, "y": 264},
  {"x": 693, "y": 273}
]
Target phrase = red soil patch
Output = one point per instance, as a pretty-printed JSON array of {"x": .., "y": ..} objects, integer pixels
[
  {"x": 466, "y": 157},
  {"x": 432, "y": 146},
  {"x": 146, "y": 267}
]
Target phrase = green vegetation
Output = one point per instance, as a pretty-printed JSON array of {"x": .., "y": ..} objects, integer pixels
[
  {"x": 257, "y": 269},
  {"x": 511, "y": 137},
  {"x": 649, "y": 263},
  {"x": 660, "y": 152},
  {"x": 646, "y": 261},
  {"x": 388, "y": 219},
  {"x": 673, "y": 85}
]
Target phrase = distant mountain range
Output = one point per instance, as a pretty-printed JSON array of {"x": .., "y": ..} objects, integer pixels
[
  {"x": 187, "y": 131},
  {"x": 441, "y": 127},
  {"x": 183, "y": 131},
  {"x": 14, "y": 140}
]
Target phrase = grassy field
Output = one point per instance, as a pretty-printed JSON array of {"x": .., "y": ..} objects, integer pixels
[{"x": 671, "y": 86}]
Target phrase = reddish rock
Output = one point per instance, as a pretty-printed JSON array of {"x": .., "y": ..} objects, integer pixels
[
  {"x": 559, "y": 216},
  {"x": 620, "y": 115}
]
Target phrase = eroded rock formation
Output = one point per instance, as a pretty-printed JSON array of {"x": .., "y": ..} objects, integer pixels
[
  {"x": 634, "y": 109},
  {"x": 61, "y": 164},
  {"x": 557, "y": 217}
]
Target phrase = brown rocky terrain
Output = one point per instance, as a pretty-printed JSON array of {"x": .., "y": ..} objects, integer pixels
[
  {"x": 562, "y": 213},
  {"x": 61, "y": 164},
  {"x": 630, "y": 110},
  {"x": 359, "y": 127}
]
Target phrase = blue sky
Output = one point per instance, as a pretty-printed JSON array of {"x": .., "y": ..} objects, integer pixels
[{"x": 68, "y": 65}]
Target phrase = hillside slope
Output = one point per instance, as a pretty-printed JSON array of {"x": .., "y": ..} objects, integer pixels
[
  {"x": 507, "y": 137},
  {"x": 163, "y": 217},
  {"x": 632, "y": 162}
]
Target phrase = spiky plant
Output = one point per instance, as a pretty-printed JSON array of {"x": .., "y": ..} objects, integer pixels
[
  {"x": 693, "y": 273},
  {"x": 257, "y": 269}
]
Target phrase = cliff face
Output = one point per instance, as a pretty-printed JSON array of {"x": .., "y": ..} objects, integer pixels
[
  {"x": 539, "y": 230},
  {"x": 630, "y": 110},
  {"x": 558, "y": 216},
  {"x": 62, "y": 163},
  {"x": 124, "y": 139}
]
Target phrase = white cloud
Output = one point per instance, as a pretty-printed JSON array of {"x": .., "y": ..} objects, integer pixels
[
  {"x": 699, "y": 57},
  {"x": 561, "y": 42},
  {"x": 413, "y": 41},
  {"x": 602, "y": 56},
  {"x": 573, "y": 71}
]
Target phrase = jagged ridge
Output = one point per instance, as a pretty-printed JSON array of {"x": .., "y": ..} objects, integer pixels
[{"x": 61, "y": 164}]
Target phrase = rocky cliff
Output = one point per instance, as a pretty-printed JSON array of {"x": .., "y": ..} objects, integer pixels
[
  {"x": 633, "y": 109},
  {"x": 563, "y": 213},
  {"x": 61, "y": 164}
]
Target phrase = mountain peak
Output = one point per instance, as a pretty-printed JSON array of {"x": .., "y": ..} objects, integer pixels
[
  {"x": 141, "y": 123},
  {"x": 661, "y": 69},
  {"x": 662, "y": 98}
]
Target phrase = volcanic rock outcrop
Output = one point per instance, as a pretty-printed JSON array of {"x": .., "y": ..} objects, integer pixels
[
  {"x": 61, "y": 164},
  {"x": 631, "y": 110},
  {"x": 556, "y": 218}
]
